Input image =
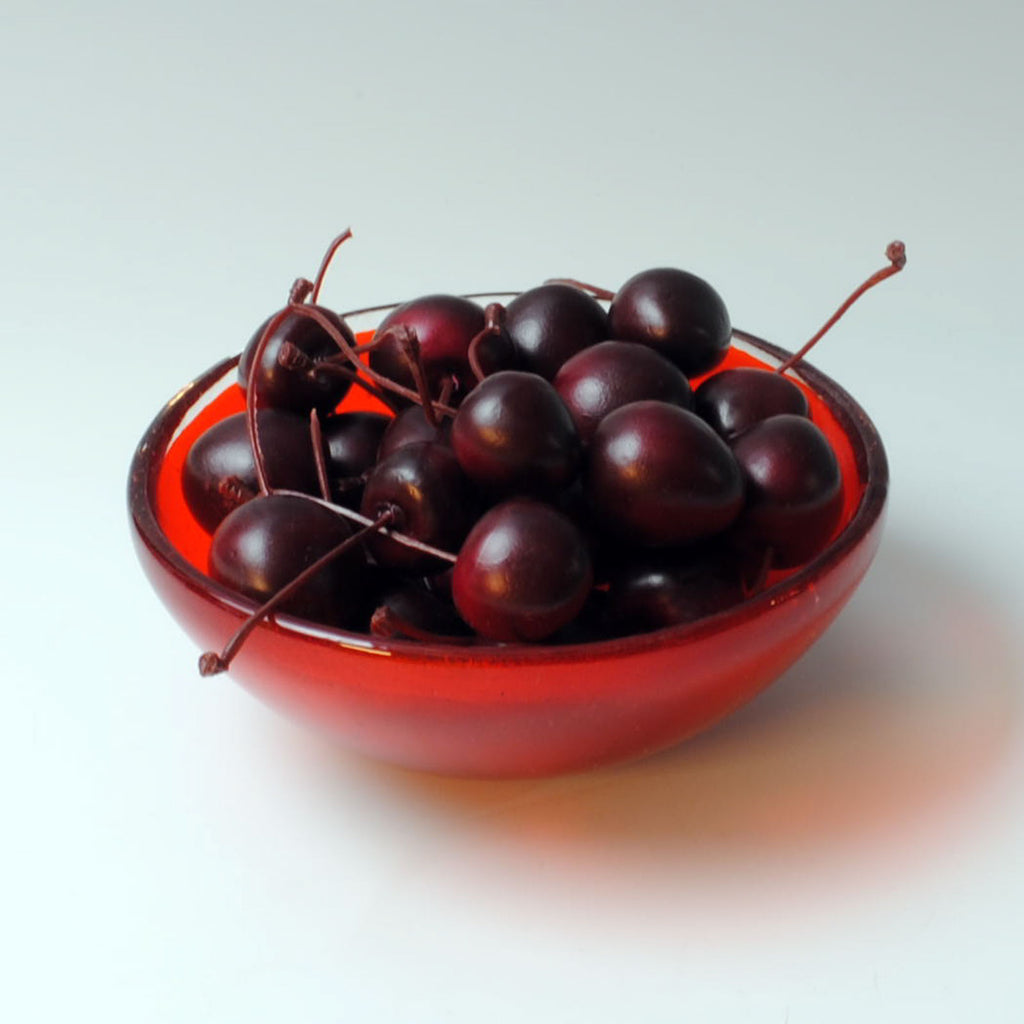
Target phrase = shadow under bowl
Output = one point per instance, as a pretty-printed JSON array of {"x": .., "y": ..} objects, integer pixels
[{"x": 519, "y": 710}]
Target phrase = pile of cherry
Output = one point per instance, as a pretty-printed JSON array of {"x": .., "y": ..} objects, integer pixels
[{"x": 546, "y": 472}]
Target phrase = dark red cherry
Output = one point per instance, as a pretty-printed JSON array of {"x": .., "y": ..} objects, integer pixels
[
  {"x": 219, "y": 473},
  {"x": 263, "y": 545},
  {"x": 411, "y": 426},
  {"x": 674, "y": 588},
  {"x": 794, "y": 488},
  {"x": 413, "y": 610},
  {"x": 677, "y": 314},
  {"x": 523, "y": 573},
  {"x": 432, "y": 499},
  {"x": 611, "y": 374},
  {"x": 284, "y": 378},
  {"x": 659, "y": 476},
  {"x": 514, "y": 435},
  {"x": 445, "y": 326},
  {"x": 735, "y": 399},
  {"x": 351, "y": 441},
  {"x": 552, "y": 322}
]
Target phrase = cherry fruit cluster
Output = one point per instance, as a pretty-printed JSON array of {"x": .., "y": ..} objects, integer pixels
[{"x": 544, "y": 472}]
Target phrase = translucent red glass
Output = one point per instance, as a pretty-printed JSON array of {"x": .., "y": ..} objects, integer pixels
[{"x": 507, "y": 711}]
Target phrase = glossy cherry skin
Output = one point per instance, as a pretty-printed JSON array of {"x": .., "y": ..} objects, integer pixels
[
  {"x": 434, "y": 503},
  {"x": 677, "y": 314},
  {"x": 220, "y": 472},
  {"x": 411, "y": 426},
  {"x": 551, "y": 323},
  {"x": 674, "y": 587},
  {"x": 264, "y": 544},
  {"x": 658, "y": 475},
  {"x": 445, "y": 326},
  {"x": 611, "y": 374},
  {"x": 351, "y": 440},
  {"x": 523, "y": 573},
  {"x": 287, "y": 385},
  {"x": 734, "y": 400},
  {"x": 794, "y": 488},
  {"x": 514, "y": 435},
  {"x": 415, "y": 611}
]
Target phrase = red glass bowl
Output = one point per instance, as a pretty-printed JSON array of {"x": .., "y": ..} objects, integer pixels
[{"x": 507, "y": 711}]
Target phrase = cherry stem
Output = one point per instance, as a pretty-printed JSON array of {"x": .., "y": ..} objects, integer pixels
[
  {"x": 406, "y": 339},
  {"x": 250, "y": 398},
  {"x": 295, "y": 357},
  {"x": 317, "y": 438},
  {"x": 388, "y": 624},
  {"x": 348, "y": 350},
  {"x": 595, "y": 290},
  {"x": 399, "y": 538},
  {"x": 211, "y": 663},
  {"x": 896, "y": 253},
  {"x": 326, "y": 262},
  {"x": 235, "y": 490},
  {"x": 300, "y": 291},
  {"x": 494, "y": 320}
]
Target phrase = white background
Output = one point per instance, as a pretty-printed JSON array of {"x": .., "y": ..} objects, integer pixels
[{"x": 848, "y": 848}]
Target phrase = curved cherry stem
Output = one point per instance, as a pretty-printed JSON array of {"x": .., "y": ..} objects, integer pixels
[
  {"x": 234, "y": 490},
  {"x": 211, "y": 663},
  {"x": 388, "y": 624},
  {"x": 407, "y": 340},
  {"x": 325, "y": 263},
  {"x": 356, "y": 517},
  {"x": 300, "y": 291},
  {"x": 251, "y": 399},
  {"x": 494, "y": 321},
  {"x": 896, "y": 253},
  {"x": 595, "y": 290},
  {"x": 292, "y": 356},
  {"x": 317, "y": 438},
  {"x": 348, "y": 350}
]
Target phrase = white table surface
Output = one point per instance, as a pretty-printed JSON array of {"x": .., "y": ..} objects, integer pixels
[{"x": 850, "y": 847}]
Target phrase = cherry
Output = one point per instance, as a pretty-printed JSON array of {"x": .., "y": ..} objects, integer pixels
[
  {"x": 445, "y": 327},
  {"x": 219, "y": 473},
  {"x": 794, "y": 488},
  {"x": 734, "y": 400},
  {"x": 415, "y": 611},
  {"x": 552, "y": 322},
  {"x": 351, "y": 440},
  {"x": 296, "y": 344},
  {"x": 430, "y": 498},
  {"x": 411, "y": 426},
  {"x": 611, "y": 374},
  {"x": 264, "y": 544},
  {"x": 514, "y": 435},
  {"x": 659, "y": 476},
  {"x": 677, "y": 314},
  {"x": 673, "y": 588},
  {"x": 523, "y": 572}
]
